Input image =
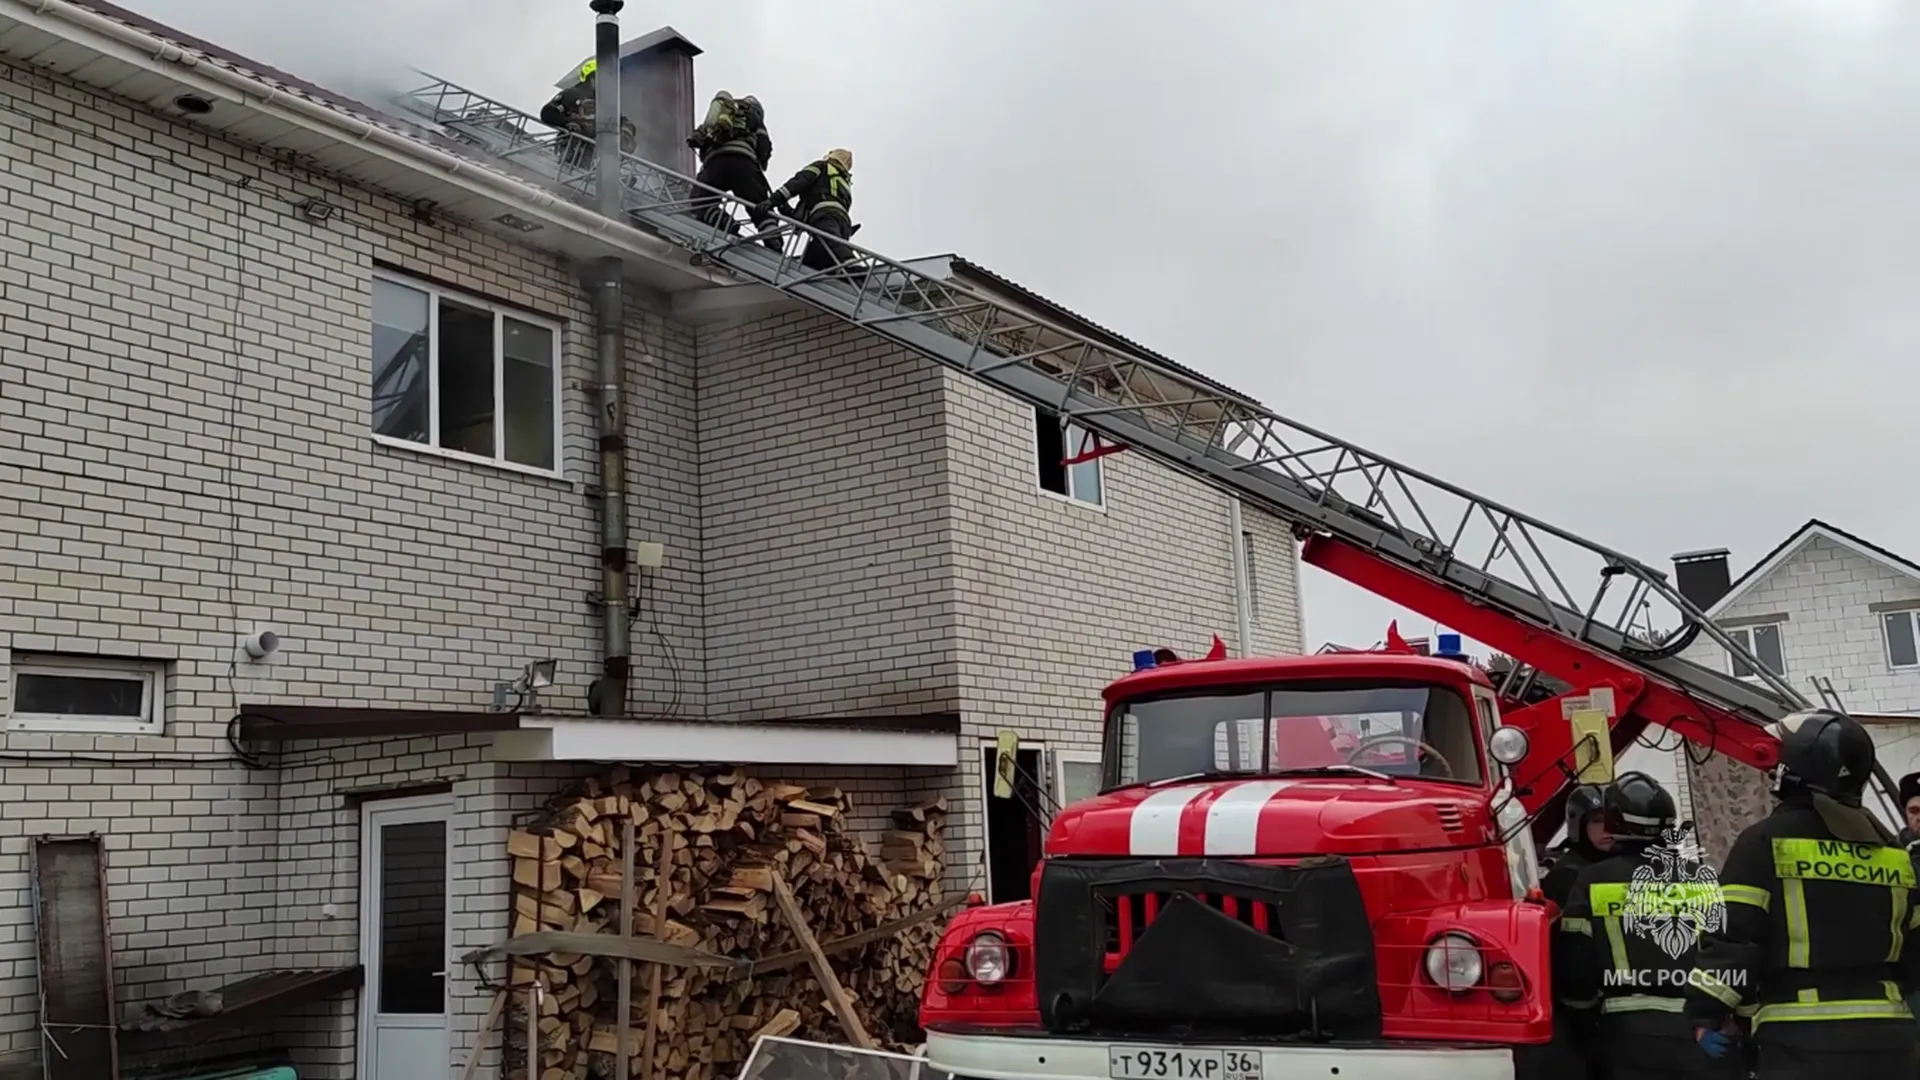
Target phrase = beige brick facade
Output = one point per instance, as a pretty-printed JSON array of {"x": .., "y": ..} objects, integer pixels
[{"x": 185, "y": 457}]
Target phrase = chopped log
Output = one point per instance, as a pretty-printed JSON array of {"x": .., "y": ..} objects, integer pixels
[{"x": 708, "y": 851}]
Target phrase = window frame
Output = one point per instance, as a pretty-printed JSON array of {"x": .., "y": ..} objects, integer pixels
[
  {"x": 436, "y": 292},
  {"x": 1042, "y": 415},
  {"x": 1912, "y": 615},
  {"x": 1745, "y": 634},
  {"x": 149, "y": 673}
]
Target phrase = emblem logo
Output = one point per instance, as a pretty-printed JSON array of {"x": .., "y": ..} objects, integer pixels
[{"x": 1675, "y": 897}]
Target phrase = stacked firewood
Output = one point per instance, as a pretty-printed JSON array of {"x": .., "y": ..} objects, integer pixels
[{"x": 734, "y": 841}]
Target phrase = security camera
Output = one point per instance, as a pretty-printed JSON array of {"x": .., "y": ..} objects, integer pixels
[{"x": 261, "y": 645}]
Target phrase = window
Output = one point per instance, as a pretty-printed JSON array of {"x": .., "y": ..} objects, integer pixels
[
  {"x": 1282, "y": 730},
  {"x": 463, "y": 377},
  {"x": 1903, "y": 642},
  {"x": 1056, "y": 441},
  {"x": 1762, "y": 643},
  {"x": 86, "y": 696},
  {"x": 1076, "y": 776}
]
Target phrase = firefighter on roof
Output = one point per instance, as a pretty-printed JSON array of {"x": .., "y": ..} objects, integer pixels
[
  {"x": 735, "y": 150},
  {"x": 1819, "y": 912},
  {"x": 1628, "y": 934},
  {"x": 571, "y": 111},
  {"x": 825, "y": 192}
]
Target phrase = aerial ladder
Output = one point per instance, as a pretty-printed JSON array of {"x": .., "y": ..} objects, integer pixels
[{"x": 1560, "y": 604}]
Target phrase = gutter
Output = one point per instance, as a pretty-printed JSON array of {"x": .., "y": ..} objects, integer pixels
[{"x": 164, "y": 58}]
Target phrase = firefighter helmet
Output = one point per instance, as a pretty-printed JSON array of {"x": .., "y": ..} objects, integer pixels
[
  {"x": 587, "y": 69},
  {"x": 1638, "y": 809},
  {"x": 1583, "y": 802},
  {"x": 1825, "y": 751},
  {"x": 842, "y": 158}
]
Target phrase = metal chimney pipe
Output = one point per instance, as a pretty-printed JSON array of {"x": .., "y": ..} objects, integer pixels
[{"x": 610, "y": 346}]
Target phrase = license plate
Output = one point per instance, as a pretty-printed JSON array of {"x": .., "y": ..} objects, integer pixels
[{"x": 1181, "y": 1063}]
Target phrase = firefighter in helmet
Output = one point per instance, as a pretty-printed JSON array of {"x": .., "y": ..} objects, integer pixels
[
  {"x": 1627, "y": 936},
  {"x": 1817, "y": 942},
  {"x": 735, "y": 151},
  {"x": 825, "y": 193},
  {"x": 571, "y": 111},
  {"x": 1586, "y": 843}
]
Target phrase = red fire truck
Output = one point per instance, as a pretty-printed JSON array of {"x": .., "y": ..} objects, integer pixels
[{"x": 1310, "y": 866}]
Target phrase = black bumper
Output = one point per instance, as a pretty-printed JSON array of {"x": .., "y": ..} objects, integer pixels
[{"x": 1271, "y": 951}]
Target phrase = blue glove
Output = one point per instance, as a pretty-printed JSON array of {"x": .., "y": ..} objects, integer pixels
[{"x": 1715, "y": 1043}]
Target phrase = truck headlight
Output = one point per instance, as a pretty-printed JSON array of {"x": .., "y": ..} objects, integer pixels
[
  {"x": 987, "y": 958},
  {"x": 1454, "y": 963}
]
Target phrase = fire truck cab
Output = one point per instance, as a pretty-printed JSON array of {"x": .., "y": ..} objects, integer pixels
[{"x": 1296, "y": 867}]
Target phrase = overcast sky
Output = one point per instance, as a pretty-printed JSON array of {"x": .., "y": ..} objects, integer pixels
[{"x": 1648, "y": 269}]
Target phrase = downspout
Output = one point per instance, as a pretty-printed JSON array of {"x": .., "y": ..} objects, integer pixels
[
  {"x": 610, "y": 343},
  {"x": 1242, "y": 588}
]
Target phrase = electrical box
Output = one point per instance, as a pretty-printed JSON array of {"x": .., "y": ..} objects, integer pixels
[{"x": 649, "y": 555}]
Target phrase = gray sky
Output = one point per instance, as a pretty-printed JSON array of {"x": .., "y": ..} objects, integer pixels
[{"x": 1644, "y": 268}]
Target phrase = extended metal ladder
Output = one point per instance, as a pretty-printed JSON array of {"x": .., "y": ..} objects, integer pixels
[{"x": 1496, "y": 556}]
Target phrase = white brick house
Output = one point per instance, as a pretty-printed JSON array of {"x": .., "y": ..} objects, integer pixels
[
  {"x": 1825, "y": 605},
  {"x": 204, "y": 435}
]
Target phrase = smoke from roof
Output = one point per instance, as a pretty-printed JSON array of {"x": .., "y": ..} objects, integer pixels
[{"x": 369, "y": 49}]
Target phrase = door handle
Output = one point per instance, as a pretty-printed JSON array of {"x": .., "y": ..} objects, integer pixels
[{"x": 439, "y": 974}]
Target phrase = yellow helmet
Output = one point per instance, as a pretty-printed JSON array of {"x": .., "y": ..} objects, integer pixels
[
  {"x": 842, "y": 158},
  {"x": 587, "y": 69}
]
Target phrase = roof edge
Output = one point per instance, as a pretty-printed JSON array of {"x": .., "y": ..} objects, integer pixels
[{"x": 1813, "y": 528}]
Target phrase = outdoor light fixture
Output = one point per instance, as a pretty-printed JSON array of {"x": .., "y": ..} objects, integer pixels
[
  {"x": 316, "y": 211},
  {"x": 535, "y": 677}
]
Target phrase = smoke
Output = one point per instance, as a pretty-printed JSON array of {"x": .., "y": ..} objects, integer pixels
[{"x": 370, "y": 49}]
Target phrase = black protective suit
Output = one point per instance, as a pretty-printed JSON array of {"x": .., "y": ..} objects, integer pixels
[
  {"x": 824, "y": 192},
  {"x": 735, "y": 151},
  {"x": 1608, "y": 960},
  {"x": 1818, "y": 943}
]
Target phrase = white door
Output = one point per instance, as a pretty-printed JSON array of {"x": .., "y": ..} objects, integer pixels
[{"x": 405, "y": 848}]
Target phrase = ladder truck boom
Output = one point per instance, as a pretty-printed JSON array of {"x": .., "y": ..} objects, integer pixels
[{"x": 1492, "y": 572}]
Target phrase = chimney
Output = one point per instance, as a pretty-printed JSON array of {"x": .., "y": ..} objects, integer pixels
[
  {"x": 656, "y": 93},
  {"x": 1702, "y": 576}
]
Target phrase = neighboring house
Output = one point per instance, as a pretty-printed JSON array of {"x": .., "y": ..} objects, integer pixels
[
  {"x": 1823, "y": 605},
  {"x": 274, "y": 362}
]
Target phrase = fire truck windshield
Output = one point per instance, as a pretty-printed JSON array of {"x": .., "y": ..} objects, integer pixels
[{"x": 1409, "y": 731}]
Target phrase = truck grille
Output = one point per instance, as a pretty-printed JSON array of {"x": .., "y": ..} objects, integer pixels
[{"x": 1127, "y": 916}]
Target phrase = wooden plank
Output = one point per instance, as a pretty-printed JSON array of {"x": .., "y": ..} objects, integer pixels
[
  {"x": 624, "y": 1055},
  {"x": 785, "y": 960},
  {"x": 664, "y": 871},
  {"x": 837, "y": 998},
  {"x": 611, "y": 947},
  {"x": 479, "y": 1036}
]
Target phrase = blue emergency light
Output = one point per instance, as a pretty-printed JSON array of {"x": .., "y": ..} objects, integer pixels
[
  {"x": 1142, "y": 659},
  {"x": 1447, "y": 647}
]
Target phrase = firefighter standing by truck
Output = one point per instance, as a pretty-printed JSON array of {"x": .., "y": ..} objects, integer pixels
[
  {"x": 1586, "y": 843},
  {"x": 1625, "y": 938},
  {"x": 1575, "y": 1047},
  {"x": 1819, "y": 913}
]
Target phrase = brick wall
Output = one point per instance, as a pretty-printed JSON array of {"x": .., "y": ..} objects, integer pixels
[{"x": 826, "y": 513}]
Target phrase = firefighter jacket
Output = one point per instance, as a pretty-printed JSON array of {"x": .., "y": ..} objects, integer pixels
[
  {"x": 1627, "y": 936},
  {"x": 570, "y": 106},
  {"x": 1557, "y": 883},
  {"x": 822, "y": 187},
  {"x": 1815, "y": 927}
]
